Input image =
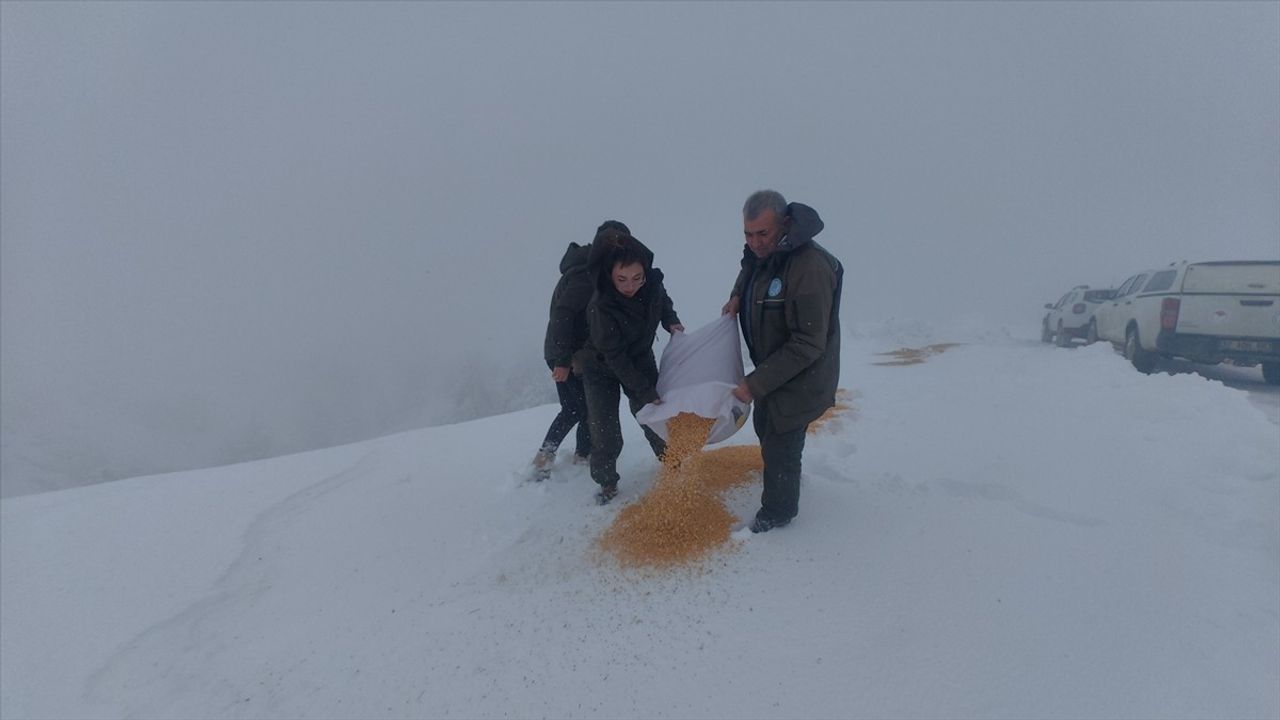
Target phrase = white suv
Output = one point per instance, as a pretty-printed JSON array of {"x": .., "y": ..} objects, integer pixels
[
  {"x": 1072, "y": 316},
  {"x": 1204, "y": 312}
]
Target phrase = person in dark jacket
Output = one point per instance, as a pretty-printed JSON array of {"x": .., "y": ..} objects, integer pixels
[
  {"x": 623, "y": 317},
  {"x": 787, "y": 297},
  {"x": 566, "y": 334}
]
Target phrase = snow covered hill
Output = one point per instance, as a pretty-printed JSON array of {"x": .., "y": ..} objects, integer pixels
[{"x": 1005, "y": 530}]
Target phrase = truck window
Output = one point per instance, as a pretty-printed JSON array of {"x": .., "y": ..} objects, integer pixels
[
  {"x": 1137, "y": 283},
  {"x": 1162, "y": 280}
]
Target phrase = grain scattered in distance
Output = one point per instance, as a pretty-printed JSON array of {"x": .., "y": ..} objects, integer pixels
[
  {"x": 844, "y": 405},
  {"x": 915, "y": 356}
]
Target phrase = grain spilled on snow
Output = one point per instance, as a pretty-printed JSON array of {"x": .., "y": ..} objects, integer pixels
[
  {"x": 727, "y": 467},
  {"x": 680, "y": 519}
]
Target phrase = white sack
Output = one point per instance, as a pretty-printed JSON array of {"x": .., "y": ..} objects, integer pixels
[{"x": 697, "y": 374}]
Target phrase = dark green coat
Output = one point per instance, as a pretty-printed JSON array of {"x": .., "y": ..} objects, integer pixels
[
  {"x": 622, "y": 330},
  {"x": 567, "y": 326},
  {"x": 790, "y": 318}
]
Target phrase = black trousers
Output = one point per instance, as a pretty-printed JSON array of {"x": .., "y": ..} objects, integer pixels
[
  {"x": 781, "y": 497},
  {"x": 573, "y": 411},
  {"x": 604, "y": 391}
]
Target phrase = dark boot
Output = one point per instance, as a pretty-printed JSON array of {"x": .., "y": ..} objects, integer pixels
[
  {"x": 765, "y": 523},
  {"x": 607, "y": 492}
]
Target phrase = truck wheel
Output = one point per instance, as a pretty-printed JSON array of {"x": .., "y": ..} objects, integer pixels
[
  {"x": 1045, "y": 335},
  {"x": 1062, "y": 338},
  {"x": 1091, "y": 334},
  {"x": 1271, "y": 373},
  {"x": 1143, "y": 361}
]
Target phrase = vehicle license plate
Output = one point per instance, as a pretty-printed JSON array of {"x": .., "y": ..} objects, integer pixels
[{"x": 1258, "y": 346}]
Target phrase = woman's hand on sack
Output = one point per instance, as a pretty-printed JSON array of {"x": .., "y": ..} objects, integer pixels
[
  {"x": 742, "y": 392},
  {"x": 656, "y": 401},
  {"x": 731, "y": 307},
  {"x": 560, "y": 374},
  {"x": 677, "y": 328}
]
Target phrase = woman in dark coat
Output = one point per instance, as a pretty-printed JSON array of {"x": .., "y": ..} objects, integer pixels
[{"x": 623, "y": 317}]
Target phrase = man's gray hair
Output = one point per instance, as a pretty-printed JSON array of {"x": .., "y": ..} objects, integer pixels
[{"x": 762, "y": 200}]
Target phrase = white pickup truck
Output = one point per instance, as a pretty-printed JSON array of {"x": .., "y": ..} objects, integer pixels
[{"x": 1207, "y": 312}]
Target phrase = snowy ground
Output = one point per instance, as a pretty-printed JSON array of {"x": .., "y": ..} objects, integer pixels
[
  {"x": 1266, "y": 397},
  {"x": 1007, "y": 530}
]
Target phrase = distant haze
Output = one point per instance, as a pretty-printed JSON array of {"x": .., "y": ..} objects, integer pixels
[{"x": 230, "y": 230}]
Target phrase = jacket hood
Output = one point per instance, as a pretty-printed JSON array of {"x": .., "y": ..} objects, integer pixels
[
  {"x": 602, "y": 249},
  {"x": 574, "y": 257},
  {"x": 605, "y": 243},
  {"x": 805, "y": 225}
]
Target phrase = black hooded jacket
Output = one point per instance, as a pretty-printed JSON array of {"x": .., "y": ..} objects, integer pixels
[
  {"x": 789, "y": 310},
  {"x": 623, "y": 329},
  {"x": 567, "y": 326}
]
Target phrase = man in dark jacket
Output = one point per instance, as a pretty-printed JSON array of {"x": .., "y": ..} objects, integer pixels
[
  {"x": 787, "y": 297},
  {"x": 566, "y": 334},
  {"x": 623, "y": 317}
]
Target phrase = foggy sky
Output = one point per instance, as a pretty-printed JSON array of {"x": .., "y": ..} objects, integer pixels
[{"x": 229, "y": 230}]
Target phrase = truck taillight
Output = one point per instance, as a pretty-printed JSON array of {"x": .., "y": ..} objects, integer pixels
[
  {"x": 1078, "y": 308},
  {"x": 1169, "y": 313}
]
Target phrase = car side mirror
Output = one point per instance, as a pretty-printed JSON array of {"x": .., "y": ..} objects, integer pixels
[{"x": 1048, "y": 306}]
